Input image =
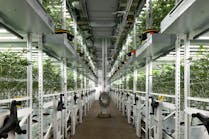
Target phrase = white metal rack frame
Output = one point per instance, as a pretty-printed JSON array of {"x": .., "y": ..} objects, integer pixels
[
  {"x": 26, "y": 16},
  {"x": 188, "y": 16},
  {"x": 177, "y": 22},
  {"x": 173, "y": 108},
  {"x": 29, "y": 17},
  {"x": 189, "y": 130},
  {"x": 56, "y": 125}
]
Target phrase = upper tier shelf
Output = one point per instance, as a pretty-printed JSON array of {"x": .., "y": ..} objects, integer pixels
[
  {"x": 188, "y": 16},
  {"x": 155, "y": 46},
  {"x": 25, "y": 16},
  {"x": 57, "y": 46}
]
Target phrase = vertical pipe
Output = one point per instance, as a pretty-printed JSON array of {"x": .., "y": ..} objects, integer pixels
[
  {"x": 40, "y": 86},
  {"x": 148, "y": 14},
  {"x": 64, "y": 14},
  {"x": 186, "y": 85},
  {"x": 29, "y": 82},
  {"x": 177, "y": 89}
]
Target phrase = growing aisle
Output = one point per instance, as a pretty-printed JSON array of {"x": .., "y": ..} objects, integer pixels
[{"x": 110, "y": 128}]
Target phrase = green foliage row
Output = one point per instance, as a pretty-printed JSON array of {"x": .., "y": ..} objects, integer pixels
[
  {"x": 13, "y": 75},
  {"x": 160, "y": 8},
  {"x": 53, "y": 8},
  {"x": 164, "y": 77}
]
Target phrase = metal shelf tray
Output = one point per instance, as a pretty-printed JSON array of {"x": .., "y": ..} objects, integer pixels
[
  {"x": 155, "y": 46},
  {"x": 57, "y": 46},
  {"x": 25, "y": 16},
  {"x": 188, "y": 16}
]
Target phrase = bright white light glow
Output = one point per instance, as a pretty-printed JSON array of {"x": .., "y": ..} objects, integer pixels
[
  {"x": 8, "y": 38},
  {"x": 204, "y": 38},
  {"x": 3, "y": 30}
]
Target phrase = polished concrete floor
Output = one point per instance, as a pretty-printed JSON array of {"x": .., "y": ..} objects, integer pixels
[{"x": 109, "y": 128}]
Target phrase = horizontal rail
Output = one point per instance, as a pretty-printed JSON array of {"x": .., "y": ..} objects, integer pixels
[
  {"x": 198, "y": 99},
  {"x": 190, "y": 111},
  {"x": 4, "y": 101},
  {"x": 164, "y": 95}
]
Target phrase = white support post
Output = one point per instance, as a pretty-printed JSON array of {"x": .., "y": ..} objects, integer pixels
[
  {"x": 177, "y": 89},
  {"x": 103, "y": 65},
  {"x": 123, "y": 97},
  {"x": 148, "y": 70},
  {"x": 128, "y": 103},
  {"x": 120, "y": 95},
  {"x": 159, "y": 122},
  {"x": 148, "y": 14},
  {"x": 73, "y": 113},
  {"x": 64, "y": 76},
  {"x": 187, "y": 86},
  {"x": 55, "y": 122},
  {"x": 65, "y": 98},
  {"x": 29, "y": 82},
  {"x": 135, "y": 81},
  {"x": 138, "y": 120},
  {"x": 75, "y": 79},
  {"x": 127, "y": 78},
  {"x": 148, "y": 92},
  {"x": 86, "y": 102},
  {"x": 64, "y": 14},
  {"x": 88, "y": 97},
  {"x": 147, "y": 100},
  {"x": 73, "y": 120},
  {"x": 177, "y": 86},
  {"x": 61, "y": 121},
  {"x": 75, "y": 34},
  {"x": 135, "y": 70},
  {"x": 63, "y": 66},
  {"x": 40, "y": 86},
  {"x": 80, "y": 102}
]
